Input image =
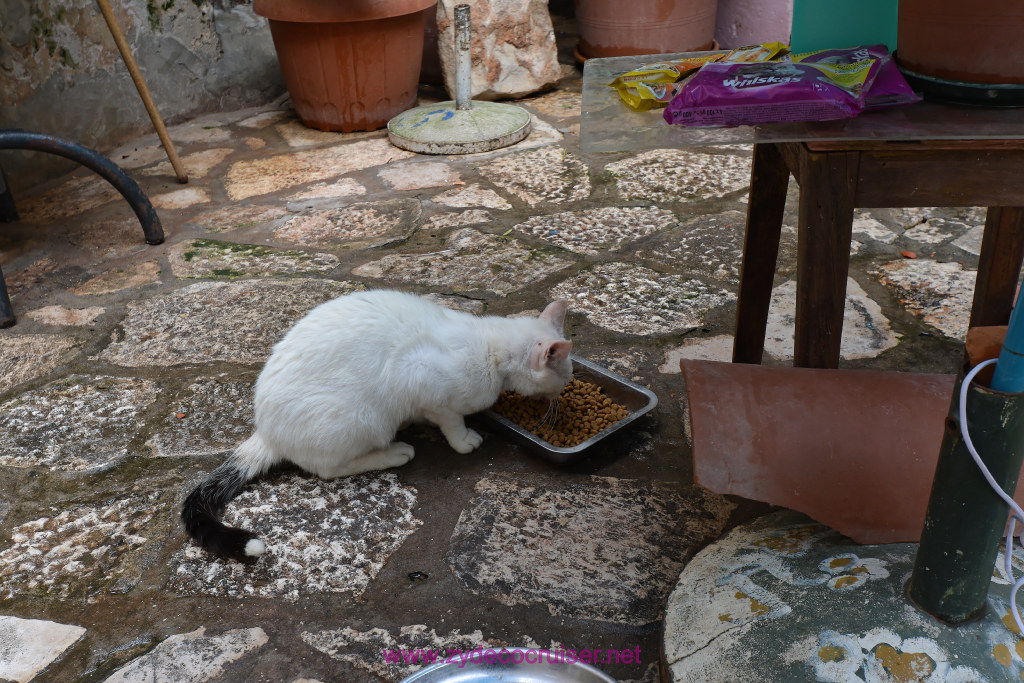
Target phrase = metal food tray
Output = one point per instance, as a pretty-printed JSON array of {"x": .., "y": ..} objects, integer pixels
[
  {"x": 513, "y": 664},
  {"x": 637, "y": 399}
]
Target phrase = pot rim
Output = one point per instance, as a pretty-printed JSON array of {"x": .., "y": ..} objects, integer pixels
[{"x": 331, "y": 11}]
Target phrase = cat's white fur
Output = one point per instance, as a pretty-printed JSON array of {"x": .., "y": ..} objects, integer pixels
[{"x": 350, "y": 374}]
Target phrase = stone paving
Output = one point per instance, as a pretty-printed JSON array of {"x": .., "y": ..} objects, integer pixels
[{"x": 129, "y": 376}]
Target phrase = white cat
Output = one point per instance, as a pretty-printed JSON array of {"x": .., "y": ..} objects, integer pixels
[{"x": 350, "y": 374}]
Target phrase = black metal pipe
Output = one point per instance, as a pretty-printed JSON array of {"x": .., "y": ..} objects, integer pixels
[
  {"x": 40, "y": 142},
  {"x": 6, "y": 311},
  {"x": 8, "y": 211}
]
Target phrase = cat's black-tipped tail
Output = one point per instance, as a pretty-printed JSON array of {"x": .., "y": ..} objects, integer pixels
[{"x": 201, "y": 510}]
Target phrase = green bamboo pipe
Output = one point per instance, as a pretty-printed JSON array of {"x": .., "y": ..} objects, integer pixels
[{"x": 966, "y": 519}]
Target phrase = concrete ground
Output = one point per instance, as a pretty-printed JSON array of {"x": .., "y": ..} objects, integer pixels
[{"x": 129, "y": 376}]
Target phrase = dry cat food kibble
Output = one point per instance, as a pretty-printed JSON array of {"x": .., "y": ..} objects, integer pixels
[{"x": 582, "y": 411}]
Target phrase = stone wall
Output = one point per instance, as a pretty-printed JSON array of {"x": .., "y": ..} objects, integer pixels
[{"x": 61, "y": 73}]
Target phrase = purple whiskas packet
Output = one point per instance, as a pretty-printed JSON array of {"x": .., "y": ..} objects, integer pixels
[
  {"x": 725, "y": 94},
  {"x": 888, "y": 89}
]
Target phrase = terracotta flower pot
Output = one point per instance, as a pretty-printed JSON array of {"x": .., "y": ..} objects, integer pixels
[
  {"x": 950, "y": 45},
  {"x": 612, "y": 28},
  {"x": 349, "y": 65}
]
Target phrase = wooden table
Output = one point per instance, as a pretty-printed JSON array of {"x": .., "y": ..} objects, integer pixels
[
  {"x": 836, "y": 177},
  {"x": 925, "y": 154}
]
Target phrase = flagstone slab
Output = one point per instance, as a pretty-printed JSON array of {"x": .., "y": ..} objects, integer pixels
[
  {"x": 672, "y": 175},
  {"x": 560, "y": 104},
  {"x": 191, "y": 656},
  {"x": 457, "y": 219},
  {"x": 26, "y": 357},
  {"x": 867, "y": 332},
  {"x": 116, "y": 280},
  {"x": 942, "y": 293},
  {"x": 205, "y": 258},
  {"x": 112, "y": 235},
  {"x": 603, "y": 549},
  {"x": 75, "y": 423},
  {"x": 264, "y": 119},
  {"x": 321, "y": 536},
  {"x": 60, "y": 316},
  {"x": 418, "y": 175},
  {"x": 235, "y": 322},
  {"x": 638, "y": 300},
  {"x": 297, "y": 134},
  {"x": 710, "y": 246},
  {"x": 471, "y": 196},
  {"x": 270, "y": 174},
  {"x": 28, "y": 646},
  {"x": 181, "y": 199},
  {"x": 929, "y": 232},
  {"x": 70, "y": 198},
  {"x": 591, "y": 230},
  {"x": 868, "y": 228},
  {"x": 239, "y": 216},
  {"x": 356, "y": 226},
  {"x": 970, "y": 241},
  {"x": 81, "y": 549},
  {"x": 325, "y": 194},
  {"x": 211, "y": 415},
  {"x": 137, "y": 156},
  {"x": 470, "y": 260},
  {"x": 197, "y": 165},
  {"x": 717, "y": 348},
  {"x": 547, "y": 175}
]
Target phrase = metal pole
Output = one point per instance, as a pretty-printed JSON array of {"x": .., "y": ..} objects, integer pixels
[
  {"x": 463, "y": 62},
  {"x": 140, "y": 85}
]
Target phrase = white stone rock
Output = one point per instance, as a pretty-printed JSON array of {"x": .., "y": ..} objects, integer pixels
[
  {"x": 868, "y": 227},
  {"x": 190, "y": 657},
  {"x": 512, "y": 48},
  {"x": 27, "y": 646},
  {"x": 971, "y": 240},
  {"x": 939, "y": 292},
  {"x": 866, "y": 331},
  {"x": 710, "y": 348}
]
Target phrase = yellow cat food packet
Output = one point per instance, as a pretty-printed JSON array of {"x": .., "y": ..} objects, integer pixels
[
  {"x": 668, "y": 71},
  {"x": 756, "y": 53},
  {"x": 639, "y": 88},
  {"x": 643, "y": 96}
]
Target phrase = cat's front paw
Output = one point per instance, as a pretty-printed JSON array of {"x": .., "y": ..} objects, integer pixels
[{"x": 467, "y": 443}]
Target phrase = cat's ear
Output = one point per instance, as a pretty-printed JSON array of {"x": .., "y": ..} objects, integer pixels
[
  {"x": 547, "y": 353},
  {"x": 555, "y": 313}
]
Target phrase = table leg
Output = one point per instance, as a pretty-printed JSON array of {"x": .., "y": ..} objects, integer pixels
[
  {"x": 828, "y": 184},
  {"x": 769, "y": 180},
  {"x": 1002, "y": 253}
]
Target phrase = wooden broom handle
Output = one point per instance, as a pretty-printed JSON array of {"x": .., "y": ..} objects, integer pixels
[{"x": 140, "y": 85}]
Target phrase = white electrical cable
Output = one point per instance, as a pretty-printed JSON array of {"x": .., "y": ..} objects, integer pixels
[{"x": 1018, "y": 514}]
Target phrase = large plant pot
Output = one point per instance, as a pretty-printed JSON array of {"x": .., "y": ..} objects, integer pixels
[
  {"x": 958, "y": 50},
  {"x": 349, "y": 65},
  {"x": 612, "y": 28}
]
